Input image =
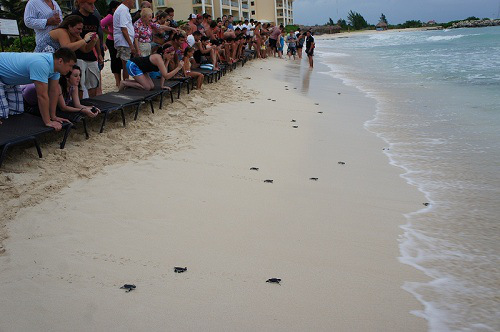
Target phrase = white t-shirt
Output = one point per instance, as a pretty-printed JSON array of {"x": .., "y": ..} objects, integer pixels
[
  {"x": 190, "y": 40},
  {"x": 122, "y": 19}
]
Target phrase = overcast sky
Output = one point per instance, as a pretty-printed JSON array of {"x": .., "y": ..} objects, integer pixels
[{"x": 310, "y": 12}]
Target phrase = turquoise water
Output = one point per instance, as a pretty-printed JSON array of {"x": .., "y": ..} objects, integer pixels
[{"x": 438, "y": 109}]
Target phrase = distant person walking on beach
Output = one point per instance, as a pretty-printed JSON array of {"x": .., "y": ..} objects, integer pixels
[
  {"x": 310, "y": 48},
  {"x": 291, "y": 41},
  {"x": 300, "y": 43}
]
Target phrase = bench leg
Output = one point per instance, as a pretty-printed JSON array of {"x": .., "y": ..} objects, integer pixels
[
  {"x": 122, "y": 111},
  {"x": 151, "y": 104},
  {"x": 66, "y": 133},
  {"x": 103, "y": 122},
  {"x": 161, "y": 100},
  {"x": 187, "y": 86},
  {"x": 37, "y": 146},
  {"x": 137, "y": 111},
  {"x": 4, "y": 152},
  {"x": 179, "y": 91},
  {"x": 85, "y": 130}
]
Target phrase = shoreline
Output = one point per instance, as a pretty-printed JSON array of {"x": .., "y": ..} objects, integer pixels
[
  {"x": 368, "y": 32},
  {"x": 193, "y": 201}
]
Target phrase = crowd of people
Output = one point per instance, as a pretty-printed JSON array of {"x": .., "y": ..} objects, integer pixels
[{"x": 69, "y": 55}]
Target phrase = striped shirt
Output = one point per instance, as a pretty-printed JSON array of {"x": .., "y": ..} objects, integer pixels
[{"x": 35, "y": 17}]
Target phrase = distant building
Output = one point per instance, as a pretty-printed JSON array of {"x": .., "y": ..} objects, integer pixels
[
  {"x": 183, "y": 8},
  {"x": 432, "y": 22},
  {"x": 276, "y": 11},
  {"x": 381, "y": 26}
]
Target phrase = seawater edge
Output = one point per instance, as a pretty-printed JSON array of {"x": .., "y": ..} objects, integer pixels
[{"x": 454, "y": 236}]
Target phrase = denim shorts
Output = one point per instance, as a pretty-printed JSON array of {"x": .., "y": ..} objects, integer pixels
[{"x": 132, "y": 69}]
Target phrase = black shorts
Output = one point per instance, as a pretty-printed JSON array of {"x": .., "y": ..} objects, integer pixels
[
  {"x": 272, "y": 43},
  {"x": 310, "y": 52}
]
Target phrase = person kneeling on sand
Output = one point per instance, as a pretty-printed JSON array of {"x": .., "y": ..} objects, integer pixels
[
  {"x": 140, "y": 67},
  {"x": 44, "y": 70},
  {"x": 68, "y": 100},
  {"x": 188, "y": 57}
]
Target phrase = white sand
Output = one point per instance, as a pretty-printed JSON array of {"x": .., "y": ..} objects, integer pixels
[{"x": 186, "y": 197}]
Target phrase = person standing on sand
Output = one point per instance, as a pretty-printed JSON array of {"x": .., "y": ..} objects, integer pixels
[
  {"x": 310, "y": 48},
  {"x": 123, "y": 33},
  {"x": 291, "y": 41},
  {"x": 42, "y": 16}
]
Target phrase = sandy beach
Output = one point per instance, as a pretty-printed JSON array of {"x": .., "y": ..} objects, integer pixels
[{"x": 175, "y": 189}]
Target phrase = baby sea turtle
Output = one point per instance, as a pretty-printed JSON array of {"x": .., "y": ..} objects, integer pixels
[
  {"x": 320, "y": 112},
  {"x": 268, "y": 181},
  {"x": 313, "y": 179},
  {"x": 128, "y": 287},
  {"x": 268, "y": 98},
  {"x": 427, "y": 204},
  {"x": 338, "y": 93},
  {"x": 317, "y": 104},
  {"x": 252, "y": 102},
  {"x": 296, "y": 126},
  {"x": 341, "y": 163},
  {"x": 178, "y": 269},
  {"x": 274, "y": 99},
  {"x": 254, "y": 168},
  {"x": 293, "y": 120},
  {"x": 274, "y": 281}
]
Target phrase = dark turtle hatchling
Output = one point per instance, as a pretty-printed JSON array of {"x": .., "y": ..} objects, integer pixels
[
  {"x": 274, "y": 281},
  {"x": 341, "y": 163},
  {"x": 128, "y": 287},
  {"x": 313, "y": 179},
  {"x": 254, "y": 168},
  {"x": 180, "y": 269},
  {"x": 268, "y": 181}
]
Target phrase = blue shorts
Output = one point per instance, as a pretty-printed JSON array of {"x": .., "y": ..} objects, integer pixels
[{"x": 132, "y": 69}]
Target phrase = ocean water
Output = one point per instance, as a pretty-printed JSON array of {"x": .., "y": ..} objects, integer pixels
[{"x": 438, "y": 109}]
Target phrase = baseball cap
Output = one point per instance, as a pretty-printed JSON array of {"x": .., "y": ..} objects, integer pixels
[{"x": 192, "y": 16}]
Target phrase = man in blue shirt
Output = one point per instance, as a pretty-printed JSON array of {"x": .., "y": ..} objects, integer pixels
[{"x": 44, "y": 70}]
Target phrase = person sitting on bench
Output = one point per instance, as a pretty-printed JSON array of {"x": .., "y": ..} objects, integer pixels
[
  {"x": 44, "y": 70},
  {"x": 140, "y": 67}
]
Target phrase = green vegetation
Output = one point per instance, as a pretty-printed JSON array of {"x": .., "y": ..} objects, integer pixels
[
  {"x": 12, "y": 44},
  {"x": 291, "y": 28},
  {"x": 356, "y": 20},
  {"x": 383, "y": 19}
]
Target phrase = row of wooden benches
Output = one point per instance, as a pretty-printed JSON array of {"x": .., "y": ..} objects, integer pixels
[{"x": 25, "y": 127}]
